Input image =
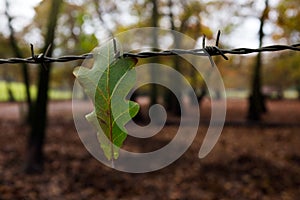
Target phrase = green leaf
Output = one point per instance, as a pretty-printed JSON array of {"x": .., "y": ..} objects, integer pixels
[{"x": 107, "y": 83}]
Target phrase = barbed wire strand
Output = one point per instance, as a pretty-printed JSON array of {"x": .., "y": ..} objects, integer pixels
[{"x": 204, "y": 51}]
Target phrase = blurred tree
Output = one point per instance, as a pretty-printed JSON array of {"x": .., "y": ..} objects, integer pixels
[
  {"x": 72, "y": 38},
  {"x": 34, "y": 162},
  {"x": 256, "y": 100},
  {"x": 18, "y": 53},
  {"x": 153, "y": 72},
  {"x": 288, "y": 12},
  {"x": 74, "y": 35},
  {"x": 273, "y": 74},
  {"x": 173, "y": 102},
  {"x": 181, "y": 16},
  {"x": 231, "y": 70},
  {"x": 6, "y": 70},
  {"x": 295, "y": 66},
  {"x": 8, "y": 81},
  {"x": 102, "y": 7},
  {"x": 289, "y": 24},
  {"x": 283, "y": 72}
]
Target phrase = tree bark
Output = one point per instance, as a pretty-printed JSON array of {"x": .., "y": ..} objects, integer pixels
[{"x": 35, "y": 157}]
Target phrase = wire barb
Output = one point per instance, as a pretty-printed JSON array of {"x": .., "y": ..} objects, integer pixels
[
  {"x": 116, "y": 52},
  {"x": 203, "y": 41},
  {"x": 218, "y": 38}
]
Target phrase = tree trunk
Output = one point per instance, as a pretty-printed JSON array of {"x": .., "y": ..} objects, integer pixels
[
  {"x": 10, "y": 94},
  {"x": 172, "y": 103},
  {"x": 298, "y": 89},
  {"x": 18, "y": 53},
  {"x": 34, "y": 162},
  {"x": 256, "y": 100},
  {"x": 154, "y": 22}
]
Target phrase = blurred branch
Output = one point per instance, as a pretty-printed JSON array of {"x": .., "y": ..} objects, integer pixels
[{"x": 99, "y": 13}]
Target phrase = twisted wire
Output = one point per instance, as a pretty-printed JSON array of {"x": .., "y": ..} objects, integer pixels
[{"x": 204, "y": 51}]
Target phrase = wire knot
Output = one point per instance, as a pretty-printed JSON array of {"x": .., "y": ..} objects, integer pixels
[
  {"x": 214, "y": 50},
  {"x": 40, "y": 58},
  {"x": 37, "y": 58}
]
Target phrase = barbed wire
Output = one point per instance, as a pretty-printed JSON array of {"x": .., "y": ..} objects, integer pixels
[
  {"x": 214, "y": 51},
  {"x": 204, "y": 51}
]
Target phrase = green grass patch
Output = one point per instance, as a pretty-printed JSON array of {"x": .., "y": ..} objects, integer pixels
[{"x": 18, "y": 91}]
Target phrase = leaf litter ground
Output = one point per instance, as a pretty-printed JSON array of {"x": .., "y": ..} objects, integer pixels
[{"x": 249, "y": 161}]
